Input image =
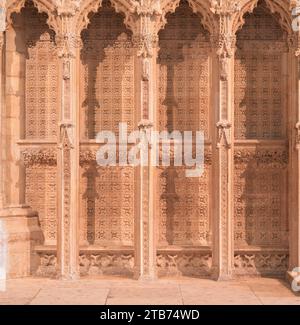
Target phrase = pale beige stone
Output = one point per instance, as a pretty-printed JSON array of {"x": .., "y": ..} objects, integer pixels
[{"x": 65, "y": 75}]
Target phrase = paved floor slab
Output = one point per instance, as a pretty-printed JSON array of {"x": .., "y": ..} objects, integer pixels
[{"x": 179, "y": 291}]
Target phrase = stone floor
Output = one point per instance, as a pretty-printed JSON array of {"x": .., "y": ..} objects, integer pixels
[{"x": 181, "y": 291}]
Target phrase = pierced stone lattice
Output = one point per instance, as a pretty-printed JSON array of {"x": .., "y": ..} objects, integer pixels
[
  {"x": 260, "y": 207},
  {"x": 41, "y": 196},
  {"x": 259, "y": 91},
  {"x": 41, "y": 74},
  {"x": 183, "y": 207},
  {"x": 107, "y": 73},
  {"x": 107, "y": 209},
  {"x": 183, "y": 65},
  {"x": 260, "y": 192}
]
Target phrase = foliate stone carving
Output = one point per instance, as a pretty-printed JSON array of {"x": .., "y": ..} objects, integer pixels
[
  {"x": 47, "y": 265},
  {"x": 224, "y": 39},
  {"x": 106, "y": 263},
  {"x": 269, "y": 157},
  {"x": 224, "y": 7},
  {"x": 67, "y": 39},
  {"x": 87, "y": 157},
  {"x": 184, "y": 264},
  {"x": 261, "y": 263},
  {"x": 41, "y": 157},
  {"x": 68, "y": 8}
]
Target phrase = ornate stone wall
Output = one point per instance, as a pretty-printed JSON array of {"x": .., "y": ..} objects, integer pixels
[
  {"x": 261, "y": 154},
  {"x": 226, "y": 67}
]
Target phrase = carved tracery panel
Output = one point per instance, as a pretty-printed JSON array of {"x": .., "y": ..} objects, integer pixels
[
  {"x": 41, "y": 76},
  {"x": 107, "y": 73},
  {"x": 260, "y": 177},
  {"x": 40, "y": 189},
  {"x": 34, "y": 45},
  {"x": 260, "y": 67},
  {"x": 183, "y": 67},
  {"x": 107, "y": 98},
  {"x": 107, "y": 206}
]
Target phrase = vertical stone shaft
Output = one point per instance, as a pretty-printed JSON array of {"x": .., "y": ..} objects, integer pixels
[
  {"x": 223, "y": 251},
  {"x": 294, "y": 196},
  {"x": 146, "y": 41},
  {"x": 68, "y": 151},
  {"x": 2, "y": 135}
]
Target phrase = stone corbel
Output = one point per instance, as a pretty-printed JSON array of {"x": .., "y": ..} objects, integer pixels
[{"x": 224, "y": 128}]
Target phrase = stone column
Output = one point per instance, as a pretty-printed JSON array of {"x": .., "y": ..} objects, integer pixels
[
  {"x": 19, "y": 223},
  {"x": 294, "y": 167},
  {"x": 68, "y": 148},
  {"x": 223, "y": 248},
  {"x": 145, "y": 38},
  {"x": 2, "y": 144}
]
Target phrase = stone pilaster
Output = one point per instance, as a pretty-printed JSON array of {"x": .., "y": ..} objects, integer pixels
[
  {"x": 294, "y": 166},
  {"x": 145, "y": 39},
  {"x": 223, "y": 250},
  {"x": 2, "y": 102},
  {"x": 68, "y": 147}
]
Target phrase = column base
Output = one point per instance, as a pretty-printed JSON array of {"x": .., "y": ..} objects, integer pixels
[
  {"x": 71, "y": 277},
  {"x": 21, "y": 232},
  {"x": 218, "y": 275},
  {"x": 144, "y": 277},
  {"x": 294, "y": 279}
]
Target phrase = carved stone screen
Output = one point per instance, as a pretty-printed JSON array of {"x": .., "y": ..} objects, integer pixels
[
  {"x": 183, "y": 203},
  {"x": 40, "y": 64},
  {"x": 107, "y": 98},
  {"x": 107, "y": 82},
  {"x": 261, "y": 154}
]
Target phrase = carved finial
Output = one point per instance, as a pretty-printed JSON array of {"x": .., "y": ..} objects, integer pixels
[
  {"x": 224, "y": 128},
  {"x": 66, "y": 136}
]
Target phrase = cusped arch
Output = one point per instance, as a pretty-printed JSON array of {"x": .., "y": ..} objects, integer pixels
[
  {"x": 279, "y": 8},
  {"x": 201, "y": 7},
  {"x": 43, "y": 6},
  {"x": 87, "y": 7}
]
